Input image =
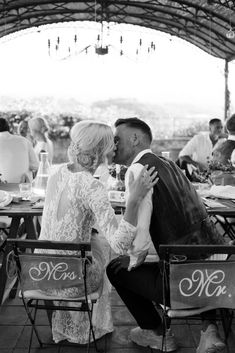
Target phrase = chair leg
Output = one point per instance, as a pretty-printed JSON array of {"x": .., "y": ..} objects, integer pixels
[
  {"x": 31, "y": 331},
  {"x": 165, "y": 323},
  {"x": 164, "y": 342},
  {"x": 5, "y": 231},
  {"x": 226, "y": 318},
  {"x": 33, "y": 327},
  {"x": 91, "y": 329},
  {"x": 14, "y": 289},
  {"x": 49, "y": 304}
]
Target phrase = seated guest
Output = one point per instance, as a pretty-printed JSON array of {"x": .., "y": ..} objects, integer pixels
[
  {"x": 39, "y": 131},
  {"x": 225, "y": 152},
  {"x": 198, "y": 150},
  {"x": 171, "y": 213},
  {"x": 23, "y": 130},
  {"x": 76, "y": 201},
  {"x": 17, "y": 157}
]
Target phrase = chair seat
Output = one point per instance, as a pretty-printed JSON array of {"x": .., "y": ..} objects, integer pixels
[
  {"x": 37, "y": 294},
  {"x": 177, "y": 313},
  {"x": 187, "y": 312}
]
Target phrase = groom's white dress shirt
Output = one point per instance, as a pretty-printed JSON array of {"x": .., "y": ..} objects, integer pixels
[{"x": 142, "y": 241}]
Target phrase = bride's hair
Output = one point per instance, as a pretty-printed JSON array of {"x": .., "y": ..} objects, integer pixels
[{"x": 91, "y": 142}]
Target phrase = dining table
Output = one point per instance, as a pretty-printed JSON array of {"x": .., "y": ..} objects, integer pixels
[{"x": 19, "y": 212}]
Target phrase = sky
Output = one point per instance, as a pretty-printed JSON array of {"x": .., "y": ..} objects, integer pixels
[{"x": 176, "y": 72}]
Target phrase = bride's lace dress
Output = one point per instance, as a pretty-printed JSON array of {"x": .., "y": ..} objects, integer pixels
[{"x": 73, "y": 204}]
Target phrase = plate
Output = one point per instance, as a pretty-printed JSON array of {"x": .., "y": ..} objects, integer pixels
[
  {"x": 5, "y": 198},
  {"x": 39, "y": 204}
]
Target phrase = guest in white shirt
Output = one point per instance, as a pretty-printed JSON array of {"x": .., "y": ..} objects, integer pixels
[
  {"x": 198, "y": 151},
  {"x": 39, "y": 130},
  {"x": 142, "y": 241},
  {"x": 17, "y": 157}
]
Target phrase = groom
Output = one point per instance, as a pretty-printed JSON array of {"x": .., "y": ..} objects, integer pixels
[{"x": 170, "y": 213}]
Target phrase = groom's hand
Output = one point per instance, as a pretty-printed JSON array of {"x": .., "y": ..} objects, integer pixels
[{"x": 120, "y": 263}]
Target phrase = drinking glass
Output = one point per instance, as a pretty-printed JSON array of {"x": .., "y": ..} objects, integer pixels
[
  {"x": 166, "y": 154},
  {"x": 25, "y": 190}
]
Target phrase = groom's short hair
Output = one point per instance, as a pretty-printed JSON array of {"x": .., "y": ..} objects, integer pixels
[{"x": 136, "y": 123}]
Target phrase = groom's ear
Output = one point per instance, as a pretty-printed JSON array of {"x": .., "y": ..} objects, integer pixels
[{"x": 135, "y": 139}]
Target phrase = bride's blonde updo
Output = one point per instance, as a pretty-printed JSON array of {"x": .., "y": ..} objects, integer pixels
[{"x": 90, "y": 143}]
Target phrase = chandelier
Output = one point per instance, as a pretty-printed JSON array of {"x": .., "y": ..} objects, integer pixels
[{"x": 105, "y": 40}]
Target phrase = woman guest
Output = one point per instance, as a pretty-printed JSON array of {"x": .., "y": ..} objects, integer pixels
[
  {"x": 23, "y": 130},
  {"x": 74, "y": 203},
  {"x": 39, "y": 130}
]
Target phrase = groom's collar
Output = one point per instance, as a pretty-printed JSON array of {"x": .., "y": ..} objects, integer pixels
[{"x": 140, "y": 154}]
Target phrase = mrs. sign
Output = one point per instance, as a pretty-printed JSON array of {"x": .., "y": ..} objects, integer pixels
[{"x": 50, "y": 271}]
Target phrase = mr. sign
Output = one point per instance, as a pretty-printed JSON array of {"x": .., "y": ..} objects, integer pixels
[{"x": 202, "y": 284}]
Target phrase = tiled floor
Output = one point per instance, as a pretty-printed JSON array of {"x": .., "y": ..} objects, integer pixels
[{"x": 15, "y": 328}]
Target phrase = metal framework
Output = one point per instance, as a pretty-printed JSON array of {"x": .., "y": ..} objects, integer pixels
[{"x": 206, "y": 24}]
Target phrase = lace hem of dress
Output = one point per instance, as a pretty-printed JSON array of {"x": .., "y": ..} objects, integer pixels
[
  {"x": 58, "y": 337},
  {"x": 77, "y": 328}
]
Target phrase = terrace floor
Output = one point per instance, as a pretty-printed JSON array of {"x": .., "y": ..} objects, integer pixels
[{"x": 15, "y": 329}]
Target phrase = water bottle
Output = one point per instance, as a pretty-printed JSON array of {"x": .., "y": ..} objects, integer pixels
[
  {"x": 39, "y": 184},
  {"x": 118, "y": 185}
]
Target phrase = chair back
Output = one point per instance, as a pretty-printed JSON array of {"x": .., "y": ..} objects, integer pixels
[
  {"x": 48, "y": 271},
  {"x": 198, "y": 283},
  {"x": 41, "y": 271}
]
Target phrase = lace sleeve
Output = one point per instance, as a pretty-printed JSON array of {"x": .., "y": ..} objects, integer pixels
[{"x": 120, "y": 237}]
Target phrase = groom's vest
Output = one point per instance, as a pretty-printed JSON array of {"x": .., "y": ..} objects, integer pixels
[{"x": 178, "y": 214}]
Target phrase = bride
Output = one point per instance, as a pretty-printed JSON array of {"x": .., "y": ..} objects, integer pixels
[{"x": 74, "y": 202}]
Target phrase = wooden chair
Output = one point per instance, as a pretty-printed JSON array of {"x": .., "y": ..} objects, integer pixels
[
  {"x": 196, "y": 286},
  {"x": 37, "y": 272},
  {"x": 227, "y": 224}
]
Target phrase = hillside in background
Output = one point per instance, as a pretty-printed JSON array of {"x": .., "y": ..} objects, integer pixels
[{"x": 165, "y": 119}]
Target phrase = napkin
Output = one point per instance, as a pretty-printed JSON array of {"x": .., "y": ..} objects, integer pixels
[
  {"x": 5, "y": 198},
  {"x": 223, "y": 191}
]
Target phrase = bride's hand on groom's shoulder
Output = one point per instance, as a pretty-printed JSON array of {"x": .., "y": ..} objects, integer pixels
[{"x": 143, "y": 183}]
